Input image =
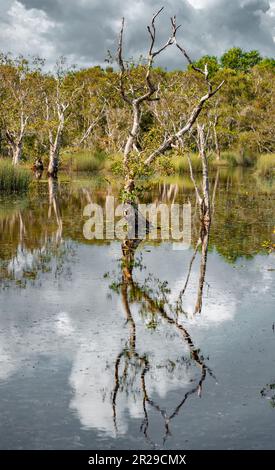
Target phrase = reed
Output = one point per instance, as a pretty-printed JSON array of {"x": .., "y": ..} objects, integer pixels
[
  {"x": 266, "y": 165},
  {"x": 13, "y": 179}
]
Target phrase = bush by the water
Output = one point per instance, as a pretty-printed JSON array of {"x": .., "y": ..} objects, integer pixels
[
  {"x": 85, "y": 160},
  {"x": 13, "y": 179},
  {"x": 181, "y": 165},
  {"x": 266, "y": 164}
]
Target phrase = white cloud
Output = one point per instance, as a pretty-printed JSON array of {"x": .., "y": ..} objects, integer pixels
[
  {"x": 84, "y": 31},
  {"x": 23, "y": 31}
]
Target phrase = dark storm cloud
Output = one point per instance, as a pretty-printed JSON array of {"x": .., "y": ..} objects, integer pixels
[{"x": 86, "y": 29}]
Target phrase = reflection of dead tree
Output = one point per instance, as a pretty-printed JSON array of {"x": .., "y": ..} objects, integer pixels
[
  {"x": 54, "y": 203},
  {"x": 131, "y": 292},
  {"x": 203, "y": 198},
  {"x": 22, "y": 228},
  {"x": 168, "y": 192}
]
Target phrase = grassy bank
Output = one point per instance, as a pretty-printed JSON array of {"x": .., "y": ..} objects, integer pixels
[
  {"x": 84, "y": 161},
  {"x": 227, "y": 159},
  {"x": 265, "y": 165},
  {"x": 13, "y": 179},
  {"x": 98, "y": 161}
]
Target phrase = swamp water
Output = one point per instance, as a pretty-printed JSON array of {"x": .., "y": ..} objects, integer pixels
[{"x": 91, "y": 360}]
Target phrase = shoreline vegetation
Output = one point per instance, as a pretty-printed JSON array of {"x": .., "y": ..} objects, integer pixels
[
  {"x": 174, "y": 164},
  {"x": 94, "y": 163},
  {"x": 14, "y": 179},
  {"x": 79, "y": 120}
]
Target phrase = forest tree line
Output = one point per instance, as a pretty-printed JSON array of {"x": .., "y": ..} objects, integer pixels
[{"x": 42, "y": 113}]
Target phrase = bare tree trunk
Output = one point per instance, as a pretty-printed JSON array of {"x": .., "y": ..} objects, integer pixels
[
  {"x": 55, "y": 142},
  {"x": 137, "y": 100},
  {"x": 129, "y": 180},
  {"x": 55, "y": 149},
  {"x": 216, "y": 140},
  {"x": 54, "y": 161},
  {"x": 16, "y": 145},
  {"x": 16, "y": 152}
]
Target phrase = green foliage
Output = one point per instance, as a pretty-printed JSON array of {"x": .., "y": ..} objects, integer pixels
[
  {"x": 114, "y": 164},
  {"x": 266, "y": 165},
  {"x": 243, "y": 112},
  {"x": 86, "y": 161},
  {"x": 164, "y": 165},
  {"x": 267, "y": 63},
  {"x": 13, "y": 179},
  {"x": 181, "y": 165},
  {"x": 237, "y": 59},
  {"x": 237, "y": 159},
  {"x": 212, "y": 64}
]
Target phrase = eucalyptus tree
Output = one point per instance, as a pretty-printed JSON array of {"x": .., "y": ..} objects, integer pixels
[
  {"x": 19, "y": 100},
  {"x": 89, "y": 106},
  {"x": 59, "y": 93}
]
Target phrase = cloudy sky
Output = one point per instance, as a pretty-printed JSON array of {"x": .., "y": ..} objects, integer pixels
[{"x": 84, "y": 30}]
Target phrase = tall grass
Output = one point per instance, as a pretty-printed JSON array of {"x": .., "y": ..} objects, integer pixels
[
  {"x": 13, "y": 179},
  {"x": 266, "y": 164},
  {"x": 85, "y": 160},
  {"x": 181, "y": 165},
  {"x": 236, "y": 159}
]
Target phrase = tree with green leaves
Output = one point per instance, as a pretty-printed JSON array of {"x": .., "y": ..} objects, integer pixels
[
  {"x": 19, "y": 100},
  {"x": 59, "y": 93},
  {"x": 237, "y": 59}
]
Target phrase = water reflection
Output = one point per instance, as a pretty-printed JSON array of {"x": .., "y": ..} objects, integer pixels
[
  {"x": 32, "y": 246},
  {"x": 137, "y": 352},
  {"x": 152, "y": 300},
  {"x": 133, "y": 367}
]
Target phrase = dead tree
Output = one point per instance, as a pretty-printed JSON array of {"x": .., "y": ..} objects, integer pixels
[
  {"x": 135, "y": 100},
  {"x": 177, "y": 136},
  {"x": 151, "y": 94}
]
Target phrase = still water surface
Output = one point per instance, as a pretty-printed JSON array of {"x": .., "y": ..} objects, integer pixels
[{"x": 88, "y": 361}]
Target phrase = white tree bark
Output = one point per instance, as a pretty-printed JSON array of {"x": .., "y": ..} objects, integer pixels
[
  {"x": 55, "y": 141},
  {"x": 135, "y": 100},
  {"x": 16, "y": 140},
  {"x": 16, "y": 152}
]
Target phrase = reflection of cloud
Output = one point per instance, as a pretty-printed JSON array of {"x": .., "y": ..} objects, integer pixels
[
  {"x": 7, "y": 367},
  {"x": 92, "y": 376},
  {"x": 64, "y": 325},
  {"x": 76, "y": 320},
  {"x": 23, "y": 260}
]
